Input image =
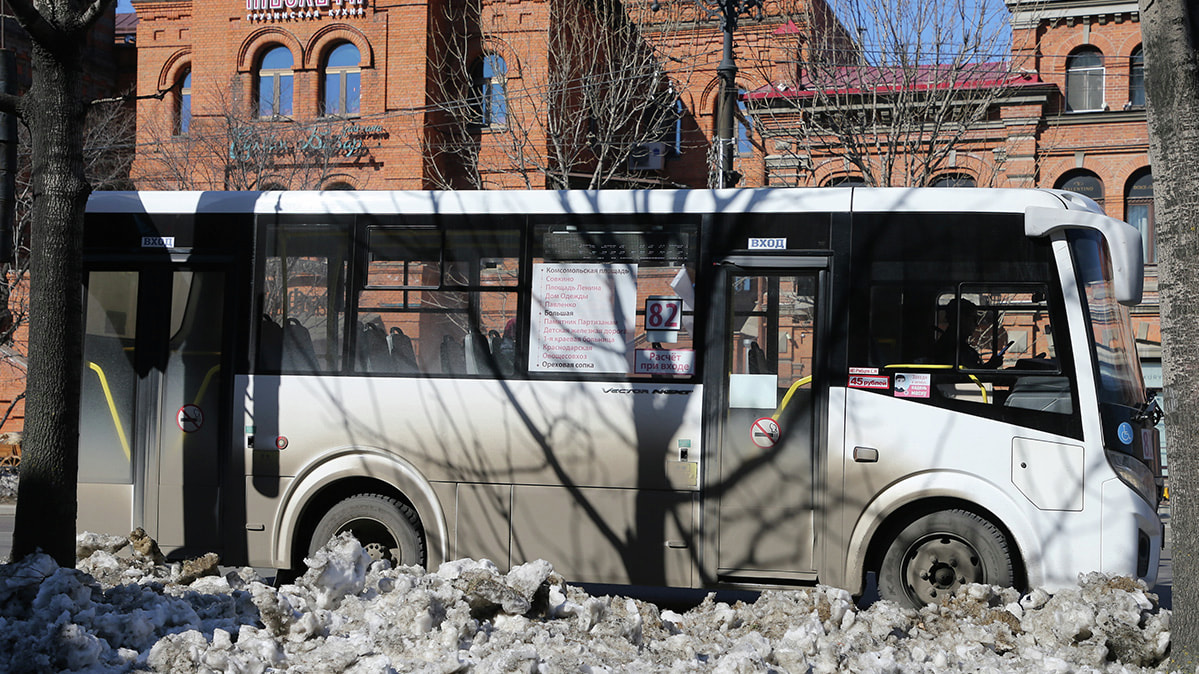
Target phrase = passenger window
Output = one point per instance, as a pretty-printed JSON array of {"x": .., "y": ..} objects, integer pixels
[
  {"x": 994, "y": 327},
  {"x": 439, "y": 302},
  {"x": 303, "y": 307},
  {"x": 962, "y": 317},
  {"x": 1004, "y": 336}
]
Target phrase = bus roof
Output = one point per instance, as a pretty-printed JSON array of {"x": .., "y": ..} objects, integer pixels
[{"x": 546, "y": 202}]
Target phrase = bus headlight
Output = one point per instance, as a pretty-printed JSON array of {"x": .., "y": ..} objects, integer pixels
[{"x": 1134, "y": 474}]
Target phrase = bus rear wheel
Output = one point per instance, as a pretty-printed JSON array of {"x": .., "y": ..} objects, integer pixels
[
  {"x": 938, "y": 553},
  {"x": 386, "y": 527}
]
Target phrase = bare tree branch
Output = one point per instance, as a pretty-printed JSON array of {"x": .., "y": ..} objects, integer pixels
[
  {"x": 574, "y": 120},
  {"x": 909, "y": 99}
]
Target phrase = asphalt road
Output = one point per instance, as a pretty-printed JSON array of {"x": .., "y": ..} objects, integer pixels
[
  {"x": 7, "y": 514},
  {"x": 1163, "y": 589}
]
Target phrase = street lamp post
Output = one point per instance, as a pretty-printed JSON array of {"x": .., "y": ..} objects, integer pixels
[{"x": 728, "y": 11}]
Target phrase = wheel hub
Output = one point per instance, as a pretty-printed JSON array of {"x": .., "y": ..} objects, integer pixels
[
  {"x": 376, "y": 539},
  {"x": 938, "y": 565}
]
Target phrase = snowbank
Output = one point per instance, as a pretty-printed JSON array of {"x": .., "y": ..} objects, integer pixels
[
  {"x": 8, "y": 485},
  {"x": 120, "y": 611}
]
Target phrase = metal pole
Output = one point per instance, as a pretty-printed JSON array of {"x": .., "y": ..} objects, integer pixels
[{"x": 727, "y": 70}]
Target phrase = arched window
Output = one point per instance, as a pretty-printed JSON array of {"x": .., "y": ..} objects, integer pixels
[
  {"x": 953, "y": 180},
  {"x": 1136, "y": 79},
  {"x": 275, "y": 83},
  {"x": 183, "y": 104},
  {"x": 1083, "y": 182},
  {"x": 845, "y": 181},
  {"x": 1084, "y": 80},
  {"x": 1138, "y": 210},
  {"x": 491, "y": 80},
  {"x": 343, "y": 81}
]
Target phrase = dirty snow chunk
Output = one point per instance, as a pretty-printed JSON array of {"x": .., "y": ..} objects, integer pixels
[
  {"x": 336, "y": 570},
  {"x": 9, "y": 481},
  {"x": 103, "y": 566},
  {"x": 81, "y": 648},
  {"x": 526, "y": 579},
  {"x": 88, "y": 543},
  {"x": 381, "y": 619},
  {"x": 455, "y": 569}
]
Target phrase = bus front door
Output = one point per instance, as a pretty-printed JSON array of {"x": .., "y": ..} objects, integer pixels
[
  {"x": 150, "y": 410},
  {"x": 765, "y": 473}
]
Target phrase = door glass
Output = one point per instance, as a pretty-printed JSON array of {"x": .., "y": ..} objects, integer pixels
[
  {"x": 105, "y": 421},
  {"x": 772, "y": 338},
  {"x": 766, "y": 462},
  {"x": 191, "y": 395}
]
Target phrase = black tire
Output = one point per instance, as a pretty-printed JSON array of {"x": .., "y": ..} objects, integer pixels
[
  {"x": 935, "y": 555},
  {"x": 386, "y": 527}
]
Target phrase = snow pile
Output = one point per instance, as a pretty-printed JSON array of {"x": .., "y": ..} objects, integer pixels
[
  {"x": 8, "y": 485},
  {"x": 122, "y": 611}
]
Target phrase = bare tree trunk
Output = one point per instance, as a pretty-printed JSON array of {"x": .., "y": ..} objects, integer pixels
[
  {"x": 1169, "y": 31},
  {"x": 55, "y": 114}
]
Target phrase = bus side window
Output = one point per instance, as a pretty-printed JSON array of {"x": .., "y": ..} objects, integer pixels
[
  {"x": 303, "y": 310},
  {"x": 435, "y": 301},
  {"x": 964, "y": 318},
  {"x": 614, "y": 297}
]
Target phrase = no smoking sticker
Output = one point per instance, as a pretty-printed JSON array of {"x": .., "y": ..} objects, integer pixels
[
  {"x": 190, "y": 418},
  {"x": 765, "y": 432}
]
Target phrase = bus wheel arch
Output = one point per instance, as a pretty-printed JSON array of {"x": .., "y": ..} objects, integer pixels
[
  {"x": 382, "y": 519},
  {"x": 387, "y": 482},
  {"x": 923, "y": 538}
]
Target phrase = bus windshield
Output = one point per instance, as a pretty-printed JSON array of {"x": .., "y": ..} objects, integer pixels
[{"x": 1120, "y": 381}]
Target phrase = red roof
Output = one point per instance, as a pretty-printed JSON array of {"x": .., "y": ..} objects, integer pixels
[{"x": 126, "y": 24}]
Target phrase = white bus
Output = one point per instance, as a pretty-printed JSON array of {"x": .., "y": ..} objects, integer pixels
[{"x": 695, "y": 389}]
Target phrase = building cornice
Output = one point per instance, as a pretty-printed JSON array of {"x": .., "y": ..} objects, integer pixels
[{"x": 1026, "y": 14}]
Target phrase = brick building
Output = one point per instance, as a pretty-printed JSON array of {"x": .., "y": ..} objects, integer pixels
[{"x": 438, "y": 94}]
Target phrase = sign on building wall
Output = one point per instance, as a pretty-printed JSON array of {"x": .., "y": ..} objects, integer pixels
[{"x": 294, "y": 10}]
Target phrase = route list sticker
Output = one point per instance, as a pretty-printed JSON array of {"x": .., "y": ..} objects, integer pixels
[{"x": 584, "y": 317}]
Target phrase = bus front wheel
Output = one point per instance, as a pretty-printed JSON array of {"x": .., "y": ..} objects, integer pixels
[
  {"x": 386, "y": 527},
  {"x": 938, "y": 553}
]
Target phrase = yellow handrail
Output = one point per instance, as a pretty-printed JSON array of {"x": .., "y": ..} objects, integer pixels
[
  {"x": 112, "y": 408},
  {"x": 204, "y": 386},
  {"x": 787, "y": 398}
]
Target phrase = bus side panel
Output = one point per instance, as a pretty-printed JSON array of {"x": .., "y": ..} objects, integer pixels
[
  {"x": 928, "y": 452},
  {"x": 623, "y": 536},
  {"x": 621, "y": 458}
]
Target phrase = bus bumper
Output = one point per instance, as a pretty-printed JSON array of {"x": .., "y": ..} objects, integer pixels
[{"x": 1132, "y": 534}]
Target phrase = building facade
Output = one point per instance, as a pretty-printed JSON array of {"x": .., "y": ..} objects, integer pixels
[{"x": 442, "y": 94}]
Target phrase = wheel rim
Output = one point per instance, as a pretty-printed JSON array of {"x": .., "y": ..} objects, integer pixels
[
  {"x": 937, "y": 565},
  {"x": 378, "y": 541}
]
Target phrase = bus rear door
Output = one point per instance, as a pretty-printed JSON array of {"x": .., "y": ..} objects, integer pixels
[{"x": 150, "y": 421}]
